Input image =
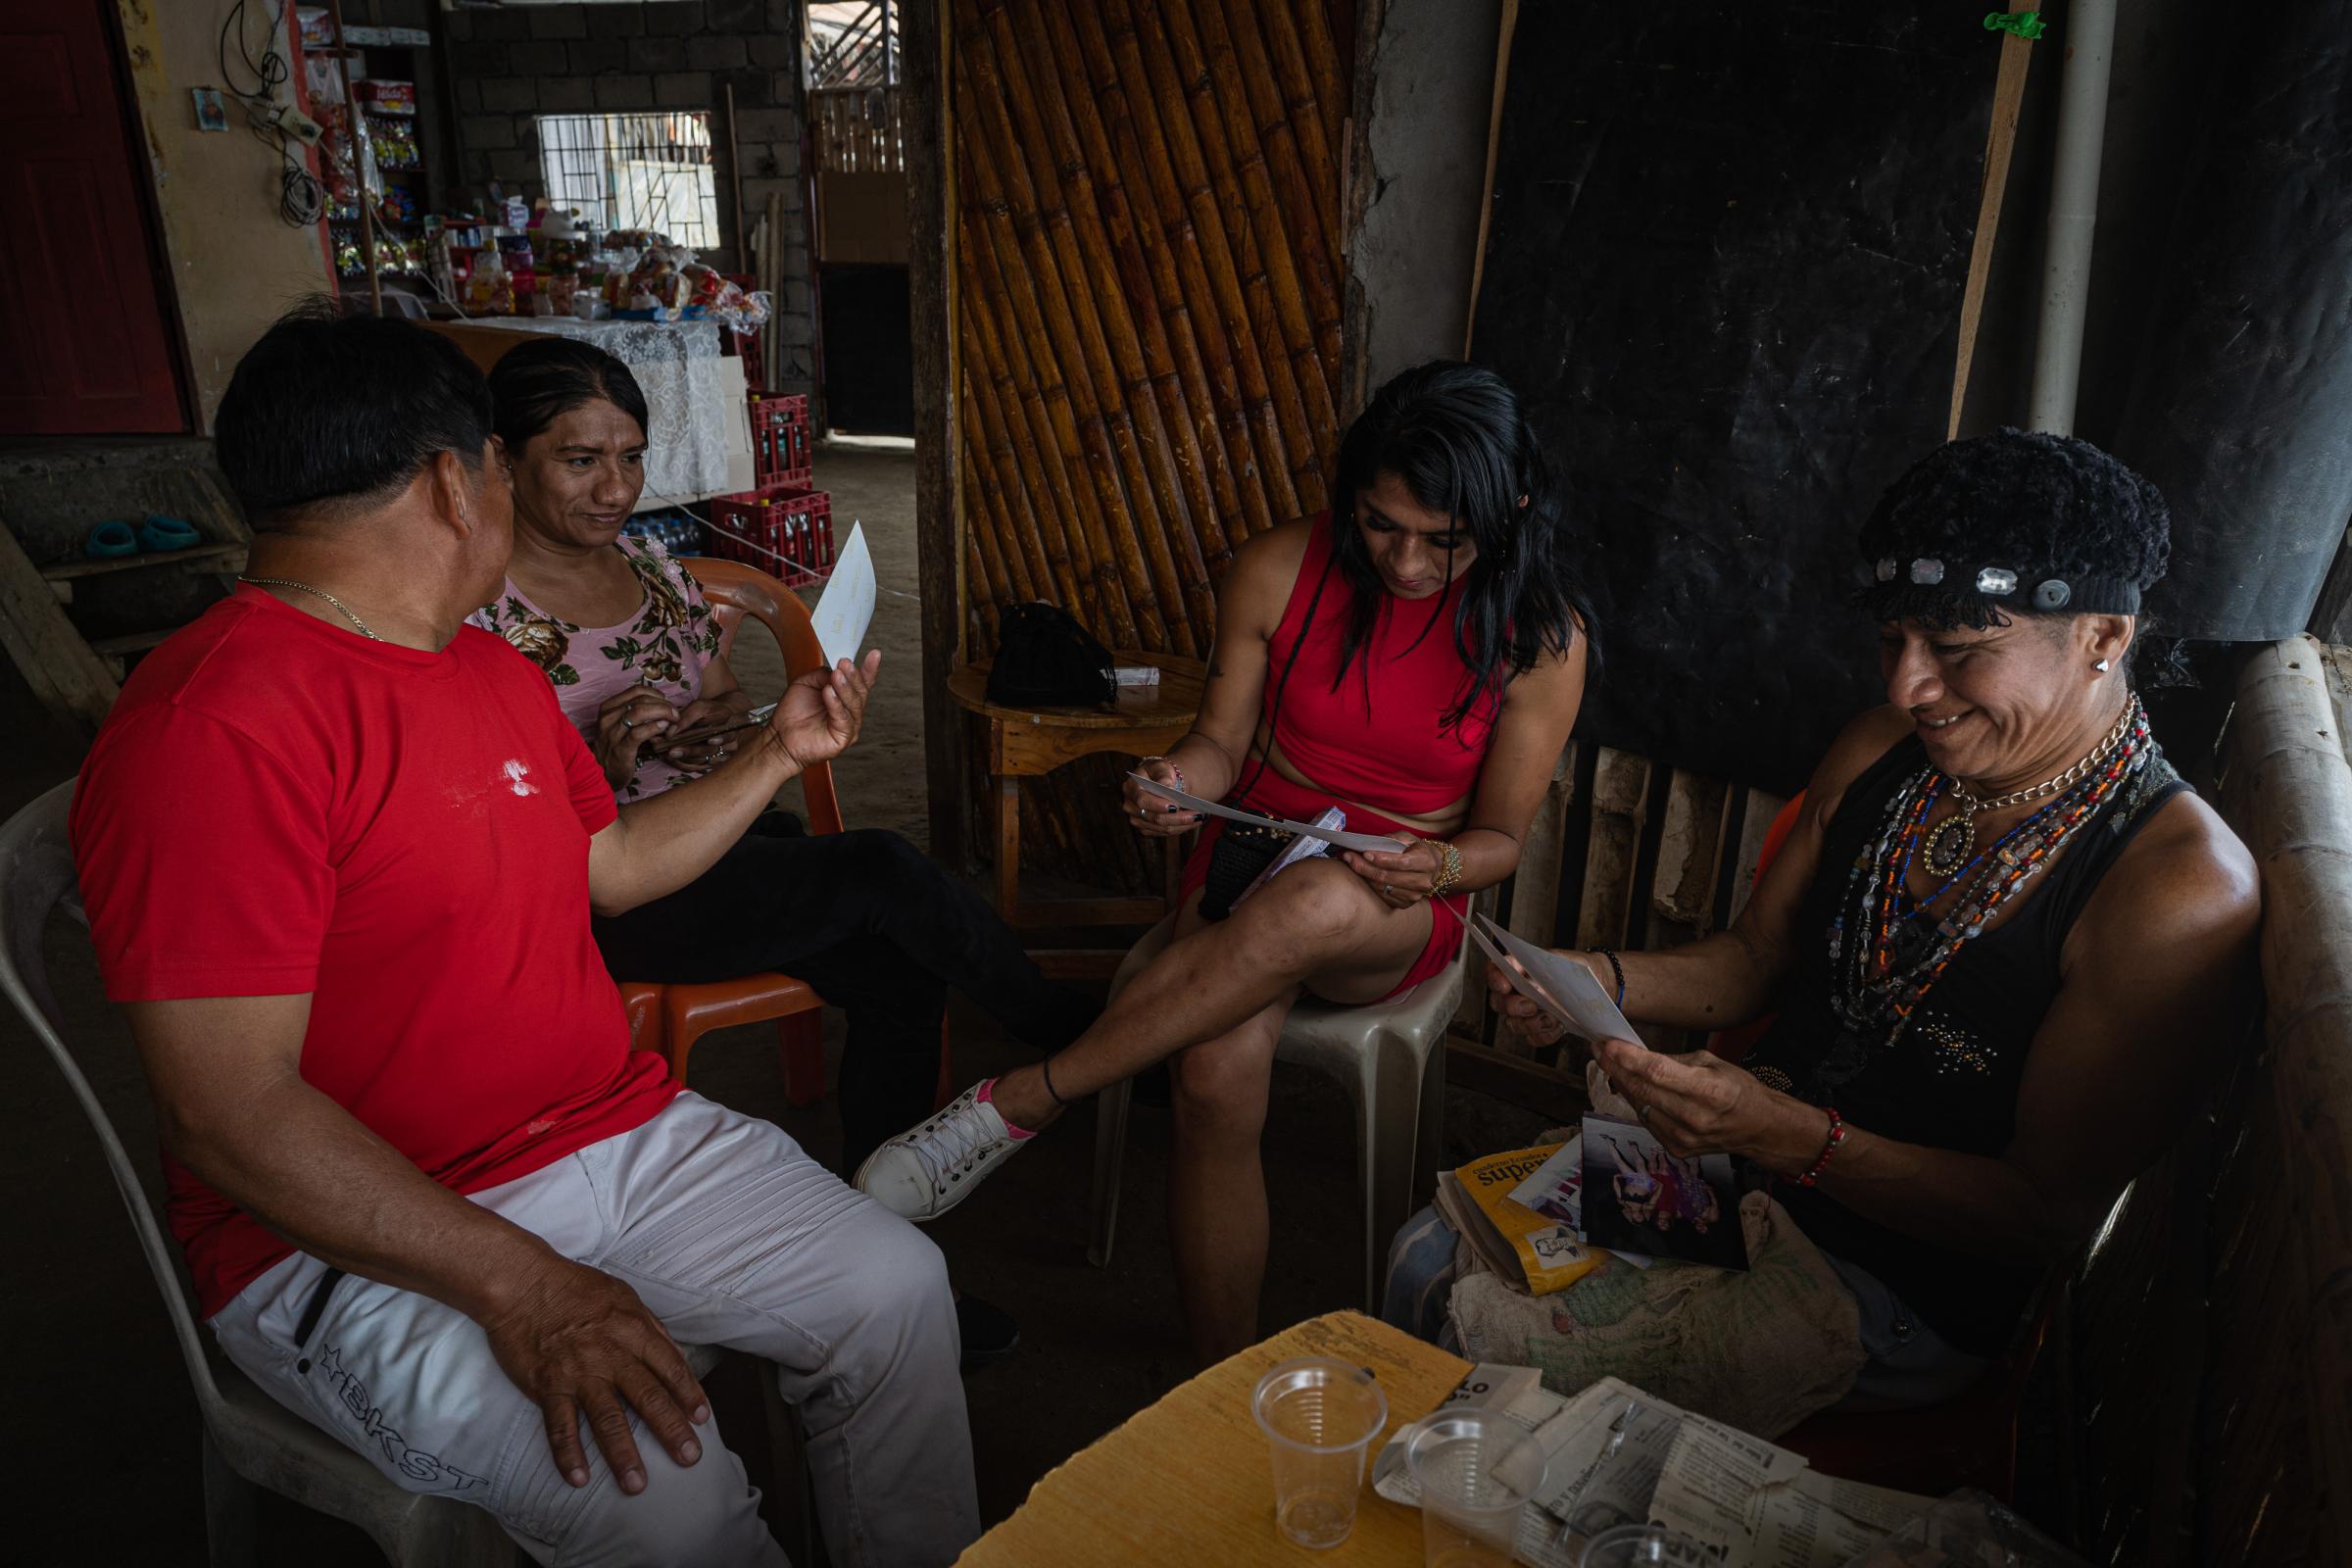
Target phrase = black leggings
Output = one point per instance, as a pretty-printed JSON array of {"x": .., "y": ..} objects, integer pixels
[{"x": 881, "y": 932}]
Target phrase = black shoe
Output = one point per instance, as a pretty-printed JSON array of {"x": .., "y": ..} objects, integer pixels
[{"x": 988, "y": 1335}]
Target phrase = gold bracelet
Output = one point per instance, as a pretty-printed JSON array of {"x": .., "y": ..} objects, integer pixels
[{"x": 1450, "y": 873}]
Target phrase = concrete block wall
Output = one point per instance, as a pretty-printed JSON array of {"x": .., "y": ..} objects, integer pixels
[{"x": 506, "y": 67}]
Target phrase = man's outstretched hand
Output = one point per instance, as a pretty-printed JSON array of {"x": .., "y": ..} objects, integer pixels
[
  {"x": 580, "y": 1344},
  {"x": 821, "y": 711}
]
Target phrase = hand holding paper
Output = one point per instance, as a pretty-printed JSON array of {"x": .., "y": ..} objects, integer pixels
[
  {"x": 1562, "y": 987},
  {"x": 1362, "y": 843}
]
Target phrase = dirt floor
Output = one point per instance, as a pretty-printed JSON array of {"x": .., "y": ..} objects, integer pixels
[{"x": 100, "y": 1441}]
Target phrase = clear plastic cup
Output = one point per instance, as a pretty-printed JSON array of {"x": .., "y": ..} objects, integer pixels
[
  {"x": 1477, "y": 1471},
  {"x": 1644, "y": 1547},
  {"x": 1320, "y": 1416}
]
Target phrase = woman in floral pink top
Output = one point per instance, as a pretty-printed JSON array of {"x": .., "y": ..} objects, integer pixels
[
  {"x": 666, "y": 647},
  {"x": 622, "y": 632}
]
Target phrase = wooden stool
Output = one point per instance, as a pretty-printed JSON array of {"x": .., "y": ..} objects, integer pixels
[{"x": 1032, "y": 742}]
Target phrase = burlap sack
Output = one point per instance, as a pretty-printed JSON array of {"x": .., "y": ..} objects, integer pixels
[{"x": 1759, "y": 1351}]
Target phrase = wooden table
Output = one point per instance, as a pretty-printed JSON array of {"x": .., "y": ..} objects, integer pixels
[
  {"x": 1189, "y": 1480},
  {"x": 1031, "y": 742}
]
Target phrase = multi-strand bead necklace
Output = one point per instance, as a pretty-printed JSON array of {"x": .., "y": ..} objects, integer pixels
[{"x": 1883, "y": 976}]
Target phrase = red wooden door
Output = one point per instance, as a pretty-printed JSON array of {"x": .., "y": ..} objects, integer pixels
[{"x": 83, "y": 346}]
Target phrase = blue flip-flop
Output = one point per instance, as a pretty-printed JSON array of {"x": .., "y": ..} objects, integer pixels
[
  {"x": 161, "y": 533},
  {"x": 109, "y": 539}
]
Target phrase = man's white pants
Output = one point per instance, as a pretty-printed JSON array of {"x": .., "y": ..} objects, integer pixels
[{"x": 733, "y": 1237}]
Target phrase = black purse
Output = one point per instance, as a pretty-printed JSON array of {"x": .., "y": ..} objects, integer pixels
[
  {"x": 1045, "y": 659},
  {"x": 1237, "y": 859}
]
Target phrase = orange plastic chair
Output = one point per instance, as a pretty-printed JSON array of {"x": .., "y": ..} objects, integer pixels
[{"x": 670, "y": 1018}]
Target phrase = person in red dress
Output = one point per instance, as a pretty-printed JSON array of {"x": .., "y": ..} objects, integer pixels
[{"x": 1414, "y": 657}]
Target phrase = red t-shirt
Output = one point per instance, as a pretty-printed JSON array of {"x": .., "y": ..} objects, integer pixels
[{"x": 277, "y": 806}]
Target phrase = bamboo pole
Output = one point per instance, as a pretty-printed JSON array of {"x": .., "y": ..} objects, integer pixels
[
  {"x": 2289, "y": 777},
  {"x": 1281, "y": 316},
  {"x": 1052, "y": 445},
  {"x": 1034, "y": 286},
  {"x": 1300, "y": 200},
  {"x": 988, "y": 565},
  {"x": 1068, "y": 237},
  {"x": 1227, "y": 247},
  {"x": 1094, "y": 198},
  {"x": 1237, "y": 395},
  {"x": 1326, "y": 76},
  {"x": 1315, "y": 121},
  {"x": 1050, "y": 575},
  {"x": 1148, "y": 278},
  {"x": 1283, "y": 210},
  {"x": 1094, "y": 481},
  {"x": 1007, "y": 533}
]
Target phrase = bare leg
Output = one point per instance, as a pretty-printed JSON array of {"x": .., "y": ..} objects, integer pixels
[
  {"x": 1216, "y": 1189},
  {"x": 1317, "y": 927}
]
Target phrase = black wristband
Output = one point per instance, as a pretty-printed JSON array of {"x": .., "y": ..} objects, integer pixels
[
  {"x": 1617, "y": 969},
  {"x": 1046, "y": 1069}
]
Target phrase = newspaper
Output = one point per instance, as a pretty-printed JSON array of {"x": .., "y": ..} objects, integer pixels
[{"x": 1618, "y": 1456}]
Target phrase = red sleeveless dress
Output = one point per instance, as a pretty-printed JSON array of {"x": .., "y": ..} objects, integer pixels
[{"x": 1377, "y": 735}]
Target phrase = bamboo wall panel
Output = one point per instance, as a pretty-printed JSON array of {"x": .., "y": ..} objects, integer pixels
[{"x": 1147, "y": 315}]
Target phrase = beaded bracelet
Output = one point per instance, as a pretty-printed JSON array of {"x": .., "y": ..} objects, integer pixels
[
  {"x": 1173, "y": 768},
  {"x": 1448, "y": 874},
  {"x": 1615, "y": 968},
  {"x": 1829, "y": 1148}
]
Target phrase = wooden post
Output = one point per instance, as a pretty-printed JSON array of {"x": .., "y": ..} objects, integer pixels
[{"x": 927, "y": 124}]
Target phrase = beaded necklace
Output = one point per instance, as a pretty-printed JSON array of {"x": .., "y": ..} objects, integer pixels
[{"x": 1882, "y": 981}]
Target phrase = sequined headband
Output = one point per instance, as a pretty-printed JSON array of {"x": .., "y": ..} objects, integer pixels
[{"x": 2032, "y": 592}]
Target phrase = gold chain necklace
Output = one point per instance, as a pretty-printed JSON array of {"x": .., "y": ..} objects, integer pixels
[
  {"x": 306, "y": 588},
  {"x": 1954, "y": 840}
]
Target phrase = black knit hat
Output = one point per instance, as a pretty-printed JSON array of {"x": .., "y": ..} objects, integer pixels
[{"x": 2015, "y": 522}]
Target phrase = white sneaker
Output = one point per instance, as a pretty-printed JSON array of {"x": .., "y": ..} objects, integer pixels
[{"x": 924, "y": 1173}]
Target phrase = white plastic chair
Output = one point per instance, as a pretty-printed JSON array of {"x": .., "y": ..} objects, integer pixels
[
  {"x": 250, "y": 1439},
  {"x": 1391, "y": 1058}
]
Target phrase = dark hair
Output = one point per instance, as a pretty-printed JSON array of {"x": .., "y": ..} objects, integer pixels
[
  {"x": 543, "y": 380},
  {"x": 2037, "y": 504},
  {"x": 1455, "y": 435},
  {"x": 333, "y": 412}
]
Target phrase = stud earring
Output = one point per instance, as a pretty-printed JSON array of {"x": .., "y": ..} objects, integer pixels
[{"x": 2100, "y": 666}]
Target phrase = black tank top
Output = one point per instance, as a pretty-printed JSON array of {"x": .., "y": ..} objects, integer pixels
[{"x": 1950, "y": 1079}]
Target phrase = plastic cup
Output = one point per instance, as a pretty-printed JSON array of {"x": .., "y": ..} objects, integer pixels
[
  {"x": 1644, "y": 1547},
  {"x": 1477, "y": 1471},
  {"x": 1320, "y": 1418}
]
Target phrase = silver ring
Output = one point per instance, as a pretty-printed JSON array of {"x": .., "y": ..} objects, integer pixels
[{"x": 628, "y": 723}]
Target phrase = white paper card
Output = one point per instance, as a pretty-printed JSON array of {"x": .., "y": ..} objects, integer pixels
[
  {"x": 1361, "y": 843},
  {"x": 847, "y": 606},
  {"x": 1561, "y": 987}
]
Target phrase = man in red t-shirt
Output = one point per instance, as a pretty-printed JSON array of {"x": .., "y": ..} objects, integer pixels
[{"x": 339, "y": 852}]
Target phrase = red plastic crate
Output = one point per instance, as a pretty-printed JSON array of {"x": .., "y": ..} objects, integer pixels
[
  {"x": 786, "y": 533},
  {"x": 780, "y": 441}
]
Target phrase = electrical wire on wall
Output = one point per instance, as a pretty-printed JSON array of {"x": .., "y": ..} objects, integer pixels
[{"x": 301, "y": 198}]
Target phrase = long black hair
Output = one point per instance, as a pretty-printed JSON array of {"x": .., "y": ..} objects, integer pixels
[
  {"x": 536, "y": 384},
  {"x": 1457, "y": 436}
]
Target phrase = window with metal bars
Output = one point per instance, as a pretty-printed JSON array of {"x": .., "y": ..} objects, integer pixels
[
  {"x": 853, "y": 43},
  {"x": 639, "y": 171}
]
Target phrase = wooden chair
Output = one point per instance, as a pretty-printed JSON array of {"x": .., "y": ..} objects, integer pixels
[{"x": 670, "y": 1018}]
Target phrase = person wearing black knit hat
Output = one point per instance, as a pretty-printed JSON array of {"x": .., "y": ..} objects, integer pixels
[{"x": 2004, "y": 946}]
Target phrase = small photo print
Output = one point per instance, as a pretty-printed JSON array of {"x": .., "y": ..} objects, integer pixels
[
  {"x": 1640, "y": 1199},
  {"x": 210, "y": 113}
]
